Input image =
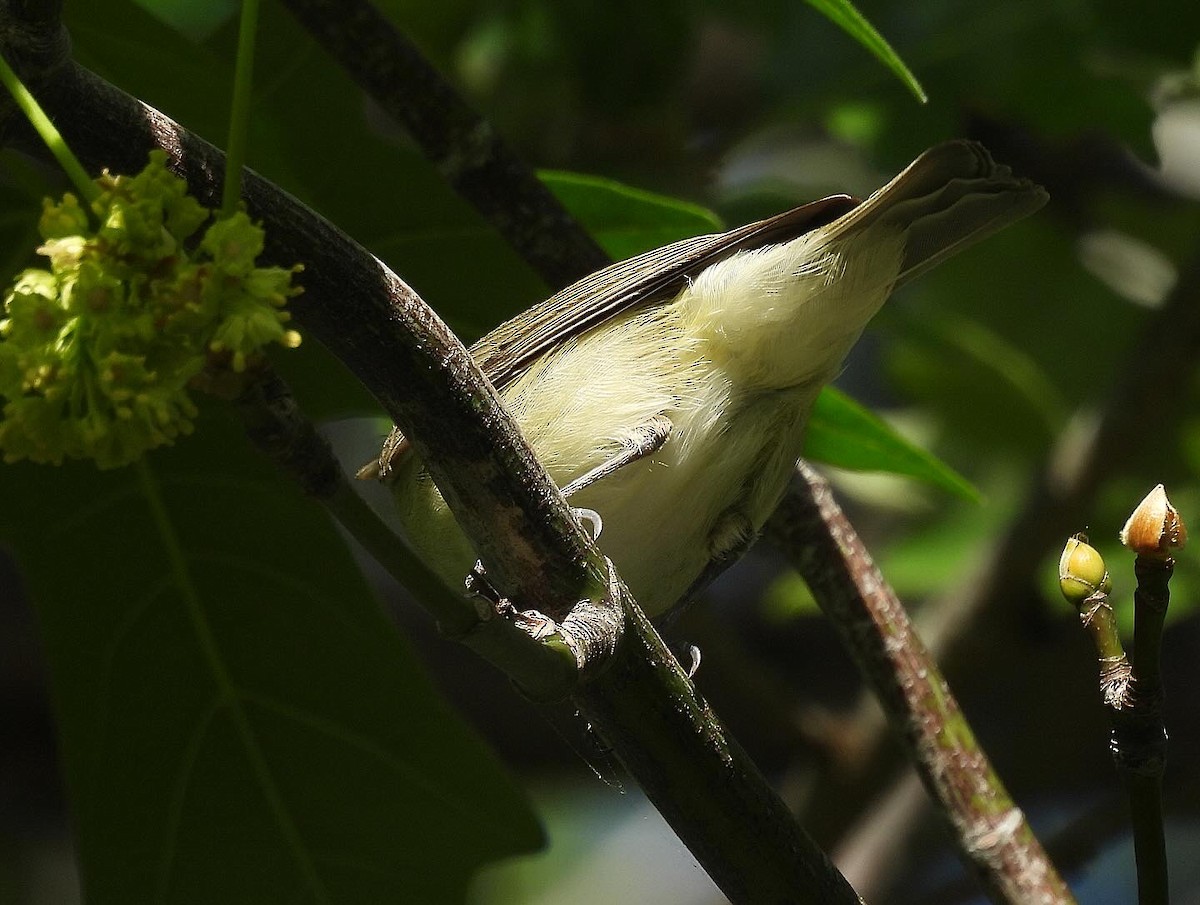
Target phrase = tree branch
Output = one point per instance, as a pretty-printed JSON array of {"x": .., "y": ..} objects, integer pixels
[{"x": 992, "y": 834}]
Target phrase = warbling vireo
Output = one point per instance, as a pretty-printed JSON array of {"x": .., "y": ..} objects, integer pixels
[{"x": 669, "y": 392}]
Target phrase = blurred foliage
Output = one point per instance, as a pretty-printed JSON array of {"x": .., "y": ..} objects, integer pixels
[{"x": 742, "y": 108}]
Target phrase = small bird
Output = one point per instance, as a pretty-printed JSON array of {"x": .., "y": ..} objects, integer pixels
[{"x": 669, "y": 392}]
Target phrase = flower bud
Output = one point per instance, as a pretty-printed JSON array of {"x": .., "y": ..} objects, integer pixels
[
  {"x": 1155, "y": 528},
  {"x": 1081, "y": 571}
]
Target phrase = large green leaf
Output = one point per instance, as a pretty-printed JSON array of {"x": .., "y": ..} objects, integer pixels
[
  {"x": 239, "y": 721},
  {"x": 843, "y": 433}
]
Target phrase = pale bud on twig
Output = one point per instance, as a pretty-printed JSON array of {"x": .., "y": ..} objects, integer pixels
[{"x": 1155, "y": 529}]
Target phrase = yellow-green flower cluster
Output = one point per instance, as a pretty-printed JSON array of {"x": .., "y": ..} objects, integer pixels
[{"x": 98, "y": 353}]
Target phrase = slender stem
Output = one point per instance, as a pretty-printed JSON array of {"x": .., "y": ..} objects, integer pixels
[
  {"x": 1096, "y": 614},
  {"x": 1149, "y": 840},
  {"x": 1150, "y": 602},
  {"x": 37, "y": 117},
  {"x": 239, "y": 114},
  {"x": 1132, "y": 696},
  {"x": 1140, "y": 740}
]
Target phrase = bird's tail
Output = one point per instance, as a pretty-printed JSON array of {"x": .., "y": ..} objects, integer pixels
[{"x": 946, "y": 200}]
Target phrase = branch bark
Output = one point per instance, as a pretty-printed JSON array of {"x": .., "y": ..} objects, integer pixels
[{"x": 992, "y": 833}]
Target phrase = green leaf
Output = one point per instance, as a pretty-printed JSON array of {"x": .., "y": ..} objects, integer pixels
[
  {"x": 239, "y": 720},
  {"x": 843, "y": 433},
  {"x": 625, "y": 220},
  {"x": 843, "y": 14}
]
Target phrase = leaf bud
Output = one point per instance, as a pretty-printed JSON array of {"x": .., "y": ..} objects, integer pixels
[{"x": 1154, "y": 529}]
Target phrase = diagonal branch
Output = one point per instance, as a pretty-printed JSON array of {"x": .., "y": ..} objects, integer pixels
[{"x": 992, "y": 834}]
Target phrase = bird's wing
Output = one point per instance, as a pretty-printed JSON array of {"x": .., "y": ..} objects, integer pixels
[{"x": 653, "y": 276}]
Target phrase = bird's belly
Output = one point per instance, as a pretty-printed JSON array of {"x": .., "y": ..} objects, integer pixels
[
  {"x": 714, "y": 481},
  {"x": 704, "y": 495}
]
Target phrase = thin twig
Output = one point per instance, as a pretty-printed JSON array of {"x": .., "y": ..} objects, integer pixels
[
  {"x": 1138, "y": 739},
  {"x": 474, "y": 160},
  {"x": 992, "y": 834},
  {"x": 1139, "y": 736},
  {"x": 239, "y": 108}
]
